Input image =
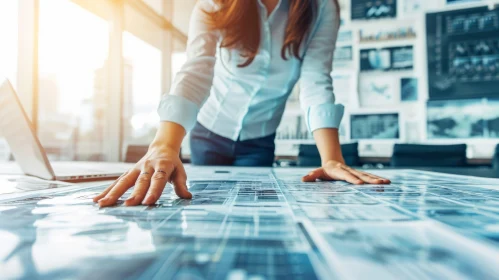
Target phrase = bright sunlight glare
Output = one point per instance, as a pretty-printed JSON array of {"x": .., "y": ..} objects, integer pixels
[{"x": 8, "y": 35}]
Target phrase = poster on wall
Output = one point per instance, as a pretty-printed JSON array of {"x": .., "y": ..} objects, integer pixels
[
  {"x": 343, "y": 57},
  {"x": 373, "y": 9},
  {"x": 408, "y": 89},
  {"x": 463, "y": 53},
  {"x": 387, "y": 59},
  {"x": 374, "y": 126},
  {"x": 386, "y": 33},
  {"x": 376, "y": 91},
  {"x": 345, "y": 87},
  {"x": 467, "y": 118},
  {"x": 344, "y": 36},
  {"x": 375, "y": 59}
]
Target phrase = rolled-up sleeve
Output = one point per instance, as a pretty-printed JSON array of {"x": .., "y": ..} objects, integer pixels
[
  {"x": 316, "y": 85},
  {"x": 192, "y": 84}
]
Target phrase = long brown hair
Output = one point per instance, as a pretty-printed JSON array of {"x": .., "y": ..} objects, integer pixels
[{"x": 239, "y": 22}]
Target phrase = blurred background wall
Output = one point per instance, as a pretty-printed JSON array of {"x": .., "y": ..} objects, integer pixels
[
  {"x": 381, "y": 70},
  {"x": 90, "y": 74}
]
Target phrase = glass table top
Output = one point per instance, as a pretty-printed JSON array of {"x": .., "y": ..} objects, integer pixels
[{"x": 259, "y": 223}]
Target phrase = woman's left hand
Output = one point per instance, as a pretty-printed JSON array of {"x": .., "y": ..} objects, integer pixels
[{"x": 334, "y": 170}]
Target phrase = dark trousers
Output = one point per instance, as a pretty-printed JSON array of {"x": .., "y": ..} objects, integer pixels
[{"x": 208, "y": 148}]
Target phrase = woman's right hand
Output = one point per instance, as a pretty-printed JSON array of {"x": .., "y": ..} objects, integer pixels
[{"x": 150, "y": 175}]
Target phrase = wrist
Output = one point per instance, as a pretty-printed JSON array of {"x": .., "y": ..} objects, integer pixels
[
  {"x": 169, "y": 136},
  {"x": 330, "y": 162},
  {"x": 163, "y": 146}
]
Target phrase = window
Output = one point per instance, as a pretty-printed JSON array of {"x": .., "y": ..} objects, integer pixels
[
  {"x": 8, "y": 33},
  {"x": 156, "y": 5},
  {"x": 78, "y": 78},
  {"x": 8, "y": 53},
  {"x": 142, "y": 89},
  {"x": 73, "y": 81}
]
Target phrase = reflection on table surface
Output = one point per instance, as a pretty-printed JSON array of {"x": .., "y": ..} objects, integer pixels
[{"x": 257, "y": 223}]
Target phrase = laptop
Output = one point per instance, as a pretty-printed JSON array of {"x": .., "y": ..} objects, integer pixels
[{"x": 17, "y": 129}]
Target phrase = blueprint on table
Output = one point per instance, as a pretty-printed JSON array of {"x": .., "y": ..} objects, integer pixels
[{"x": 259, "y": 223}]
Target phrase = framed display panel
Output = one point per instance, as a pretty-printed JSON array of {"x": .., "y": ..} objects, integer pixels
[
  {"x": 376, "y": 125},
  {"x": 463, "y": 53}
]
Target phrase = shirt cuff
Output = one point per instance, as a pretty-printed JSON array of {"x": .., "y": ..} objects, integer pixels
[
  {"x": 178, "y": 109},
  {"x": 327, "y": 115}
]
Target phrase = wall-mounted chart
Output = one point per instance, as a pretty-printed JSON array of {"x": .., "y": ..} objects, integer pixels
[
  {"x": 471, "y": 118},
  {"x": 375, "y": 91},
  {"x": 463, "y": 53},
  {"x": 373, "y": 9},
  {"x": 374, "y": 126},
  {"x": 408, "y": 89},
  {"x": 387, "y": 59}
]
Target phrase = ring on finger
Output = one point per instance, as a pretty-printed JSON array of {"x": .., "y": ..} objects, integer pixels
[{"x": 144, "y": 173}]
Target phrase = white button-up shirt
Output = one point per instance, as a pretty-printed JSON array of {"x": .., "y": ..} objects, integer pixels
[{"x": 247, "y": 103}]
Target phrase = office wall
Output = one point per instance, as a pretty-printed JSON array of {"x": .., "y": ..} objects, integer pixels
[{"x": 396, "y": 89}]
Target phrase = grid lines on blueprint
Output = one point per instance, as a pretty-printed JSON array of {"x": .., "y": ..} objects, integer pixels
[{"x": 260, "y": 223}]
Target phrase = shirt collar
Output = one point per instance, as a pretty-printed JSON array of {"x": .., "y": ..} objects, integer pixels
[{"x": 265, "y": 12}]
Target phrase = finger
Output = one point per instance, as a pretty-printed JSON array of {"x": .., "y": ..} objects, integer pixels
[
  {"x": 159, "y": 179},
  {"x": 120, "y": 188},
  {"x": 366, "y": 177},
  {"x": 105, "y": 192},
  {"x": 179, "y": 180},
  {"x": 384, "y": 180},
  {"x": 141, "y": 185},
  {"x": 316, "y": 174},
  {"x": 349, "y": 177},
  {"x": 363, "y": 176},
  {"x": 108, "y": 189}
]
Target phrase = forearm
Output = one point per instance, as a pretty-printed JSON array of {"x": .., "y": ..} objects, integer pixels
[
  {"x": 169, "y": 135},
  {"x": 328, "y": 143}
]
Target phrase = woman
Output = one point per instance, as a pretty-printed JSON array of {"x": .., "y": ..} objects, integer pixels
[{"x": 244, "y": 58}]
